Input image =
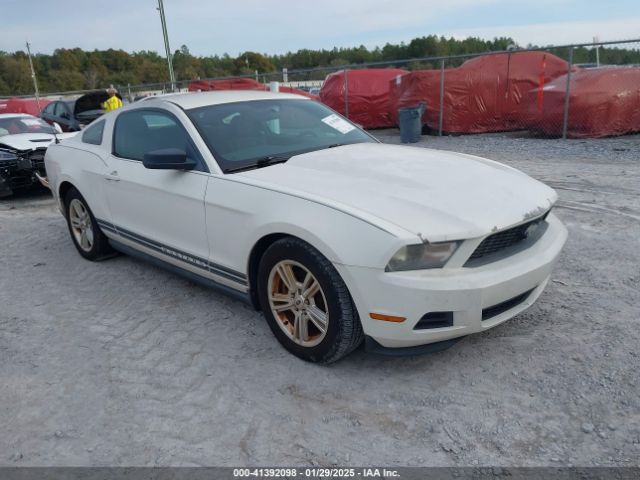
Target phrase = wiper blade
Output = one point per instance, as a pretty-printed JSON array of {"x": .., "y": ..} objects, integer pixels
[
  {"x": 260, "y": 163},
  {"x": 271, "y": 159}
]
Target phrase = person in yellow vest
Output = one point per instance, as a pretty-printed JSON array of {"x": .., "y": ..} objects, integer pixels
[{"x": 113, "y": 101}]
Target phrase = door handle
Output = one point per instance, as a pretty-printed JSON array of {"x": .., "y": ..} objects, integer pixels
[{"x": 113, "y": 176}]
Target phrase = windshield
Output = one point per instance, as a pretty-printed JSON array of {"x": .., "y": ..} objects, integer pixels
[
  {"x": 15, "y": 125},
  {"x": 245, "y": 134}
]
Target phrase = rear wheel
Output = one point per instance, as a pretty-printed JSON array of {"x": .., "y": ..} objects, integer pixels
[
  {"x": 306, "y": 302},
  {"x": 89, "y": 240}
]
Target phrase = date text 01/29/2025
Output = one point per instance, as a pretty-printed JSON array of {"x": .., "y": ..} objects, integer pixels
[{"x": 315, "y": 473}]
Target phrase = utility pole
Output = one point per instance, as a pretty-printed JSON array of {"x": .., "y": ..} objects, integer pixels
[
  {"x": 595, "y": 41},
  {"x": 33, "y": 75},
  {"x": 172, "y": 76}
]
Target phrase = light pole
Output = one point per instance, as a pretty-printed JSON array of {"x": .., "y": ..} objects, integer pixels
[
  {"x": 172, "y": 76},
  {"x": 33, "y": 75}
]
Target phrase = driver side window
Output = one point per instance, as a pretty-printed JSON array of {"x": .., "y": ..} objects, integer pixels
[
  {"x": 61, "y": 110},
  {"x": 50, "y": 108},
  {"x": 141, "y": 131}
]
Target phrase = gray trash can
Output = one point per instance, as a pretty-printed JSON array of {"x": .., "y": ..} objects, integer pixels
[{"x": 411, "y": 123}]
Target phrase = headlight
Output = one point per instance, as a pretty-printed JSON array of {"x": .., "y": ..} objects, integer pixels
[
  {"x": 6, "y": 156},
  {"x": 422, "y": 256}
]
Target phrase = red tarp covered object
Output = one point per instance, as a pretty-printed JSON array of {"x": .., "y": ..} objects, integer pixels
[
  {"x": 485, "y": 94},
  {"x": 603, "y": 102},
  {"x": 22, "y": 105},
  {"x": 368, "y": 95},
  {"x": 241, "y": 84}
]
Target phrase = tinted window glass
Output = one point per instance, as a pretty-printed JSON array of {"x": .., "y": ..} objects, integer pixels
[
  {"x": 242, "y": 133},
  {"x": 60, "y": 109},
  {"x": 93, "y": 134},
  {"x": 49, "y": 108},
  {"x": 141, "y": 131}
]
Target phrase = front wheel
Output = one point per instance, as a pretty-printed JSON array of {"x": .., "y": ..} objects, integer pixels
[{"x": 306, "y": 302}]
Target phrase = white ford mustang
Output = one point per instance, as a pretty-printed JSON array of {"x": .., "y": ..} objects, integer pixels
[{"x": 336, "y": 237}]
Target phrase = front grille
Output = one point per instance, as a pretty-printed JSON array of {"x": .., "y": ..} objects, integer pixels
[
  {"x": 504, "y": 239},
  {"x": 496, "y": 310}
]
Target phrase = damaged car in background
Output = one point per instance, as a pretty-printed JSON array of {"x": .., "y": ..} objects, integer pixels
[{"x": 23, "y": 142}]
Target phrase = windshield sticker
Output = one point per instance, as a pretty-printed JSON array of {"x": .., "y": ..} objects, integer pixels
[{"x": 339, "y": 124}]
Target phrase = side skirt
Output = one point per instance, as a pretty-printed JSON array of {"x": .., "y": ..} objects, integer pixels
[{"x": 193, "y": 277}]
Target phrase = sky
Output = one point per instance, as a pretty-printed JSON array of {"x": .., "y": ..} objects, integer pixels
[{"x": 210, "y": 27}]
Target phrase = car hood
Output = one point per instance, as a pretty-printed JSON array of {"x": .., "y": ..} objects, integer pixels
[
  {"x": 435, "y": 194},
  {"x": 31, "y": 141},
  {"x": 90, "y": 104}
]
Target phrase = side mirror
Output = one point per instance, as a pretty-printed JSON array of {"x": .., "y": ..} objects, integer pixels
[
  {"x": 57, "y": 127},
  {"x": 168, "y": 159},
  {"x": 65, "y": 115}
]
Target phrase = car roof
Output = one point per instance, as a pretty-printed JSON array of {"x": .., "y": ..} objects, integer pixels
[{"x": 203, "y": 99}]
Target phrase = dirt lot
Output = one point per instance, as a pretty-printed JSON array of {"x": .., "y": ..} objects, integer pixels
[{"x": 119, "y": 363}]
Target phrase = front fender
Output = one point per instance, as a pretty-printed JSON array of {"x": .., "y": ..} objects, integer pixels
[{"x": 239, "y": 215}]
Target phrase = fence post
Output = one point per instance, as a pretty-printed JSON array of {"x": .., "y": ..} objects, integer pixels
[
  {"x": 567, "y": 95},
  {"x": 346, "y": 93},
  {"x": 441, "y": 117}
]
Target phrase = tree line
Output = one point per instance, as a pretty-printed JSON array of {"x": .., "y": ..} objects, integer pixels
[{"x": 76, "y": 69}]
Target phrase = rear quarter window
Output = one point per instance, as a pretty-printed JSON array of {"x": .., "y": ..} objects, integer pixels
[{"x": 93, "y": 133}]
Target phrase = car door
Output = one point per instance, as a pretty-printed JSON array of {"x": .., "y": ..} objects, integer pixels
[
  {"x": 48, "y": 113},
  {"x": 158, "y": 212},
  {"x": 62, "y": 115}
]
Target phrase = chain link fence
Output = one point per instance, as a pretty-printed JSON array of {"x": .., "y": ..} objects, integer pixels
[{"x": 572, "y": 91}]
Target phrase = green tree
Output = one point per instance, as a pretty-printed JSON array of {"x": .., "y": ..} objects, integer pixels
[{"x": 249, "y": 62}]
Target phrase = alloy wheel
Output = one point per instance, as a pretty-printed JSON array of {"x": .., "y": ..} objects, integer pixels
[
  {"x": 81, "y": 225},
  {"x": 298, "y": 303}
]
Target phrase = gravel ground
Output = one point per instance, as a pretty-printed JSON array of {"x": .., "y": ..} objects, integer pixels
[{"x": 119, "y": 363}]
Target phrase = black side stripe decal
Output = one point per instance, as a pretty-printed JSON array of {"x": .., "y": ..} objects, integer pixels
[{"x": 193, "y": 260}]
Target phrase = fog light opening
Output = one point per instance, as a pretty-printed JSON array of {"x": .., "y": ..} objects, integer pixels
[{"x": 435, "y": 320}]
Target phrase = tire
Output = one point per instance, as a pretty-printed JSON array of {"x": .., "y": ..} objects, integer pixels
[
  {"x": 295, "y": 315},
  {"x": 92, "y": 244}
]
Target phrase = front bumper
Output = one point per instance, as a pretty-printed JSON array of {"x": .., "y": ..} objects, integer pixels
[
  {"x": 5, "y": 188},
  {"x": 20, "y": 170},
  {"x": 464, "y": 291}
]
